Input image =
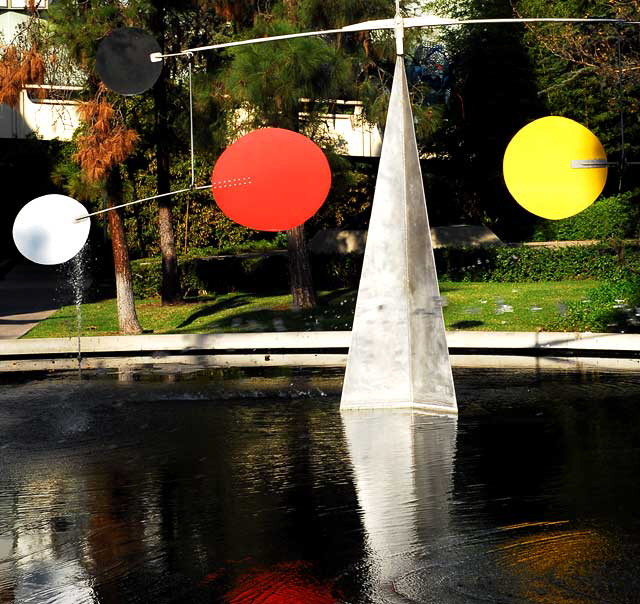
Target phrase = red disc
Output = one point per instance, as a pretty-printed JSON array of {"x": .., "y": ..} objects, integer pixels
[{"x": 271, "y": 180}]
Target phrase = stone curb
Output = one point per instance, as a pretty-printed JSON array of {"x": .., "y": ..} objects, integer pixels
[
  {"x": 317, "y": 340},
  {"x": 177, "y": 342},
  {"x": 469, "y": 349}
]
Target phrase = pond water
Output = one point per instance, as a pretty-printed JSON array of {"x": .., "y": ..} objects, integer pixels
[{"x": 252, "y": 487}]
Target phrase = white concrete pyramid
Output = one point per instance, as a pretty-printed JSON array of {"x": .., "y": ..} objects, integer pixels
[{"x": 398, "y": 355}]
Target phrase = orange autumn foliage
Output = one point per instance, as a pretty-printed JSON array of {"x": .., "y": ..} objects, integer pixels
[
  {"x": 105, "y": 142},
  {"x": 236, "y": 11},
  {"x": 17, "y": 69},
  {"x": 33, "y": 6}
]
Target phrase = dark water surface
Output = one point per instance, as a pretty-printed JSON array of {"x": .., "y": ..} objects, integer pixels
[{"x": 254, "y": 489}]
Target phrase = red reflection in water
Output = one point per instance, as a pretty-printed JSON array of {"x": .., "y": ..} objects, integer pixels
[{"x": 283, "y": 584}]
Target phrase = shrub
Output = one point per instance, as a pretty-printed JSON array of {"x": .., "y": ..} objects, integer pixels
[
  {"x": 147, "y": 277},
  {"x": 336, "y": 271},
  {"x": 524, "y": 263},
  {"x": 259, "y": 273},
  {"x": 611, "y": 307},
  {"x": 269, "y": 271},
  {"x": 214, "y": 275},
  {"x": 615, "y": 216}
]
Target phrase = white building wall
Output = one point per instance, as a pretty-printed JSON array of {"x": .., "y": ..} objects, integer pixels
[
  {"x": 353, "y": 135},
  {"x": 22, "y": 4},
  {"x": 49, "y": 119},
  {"x": 360, "y": 138},
  {"x": 46, "y": 119}
]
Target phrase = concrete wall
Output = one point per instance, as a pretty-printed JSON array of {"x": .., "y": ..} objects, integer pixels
[
  {"x": 361, "y": 139},
  {"x": 47, "y": 119},
  {"x": 545, "y": 350}
]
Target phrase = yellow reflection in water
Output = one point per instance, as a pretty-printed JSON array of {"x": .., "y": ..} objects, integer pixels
[{"x": 554, "y": 566}]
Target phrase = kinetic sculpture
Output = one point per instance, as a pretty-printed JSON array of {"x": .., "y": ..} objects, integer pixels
[
  {"x": 46, "y": 230},
  {"x": 555, "y": 167},
  {"x": 398, "y": 355}
]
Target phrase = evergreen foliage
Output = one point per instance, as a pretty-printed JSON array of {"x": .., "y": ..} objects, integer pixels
[
  {"x": 501, "y": 78},
  {"x": 259, "y": 267},
  {"x": 528, "y": 264},
  {"x": 493, "y": 96},
  {"x": 269, "y": 80},
  {"x": 580, "y": 74},
  {"x": 617, "y": 216}
]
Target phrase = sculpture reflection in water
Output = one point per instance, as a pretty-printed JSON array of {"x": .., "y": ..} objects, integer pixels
[
  {"x": 440, "y": 529},
  {"x": 403, "y": 471},
  {"x": 43, "y": 560}
]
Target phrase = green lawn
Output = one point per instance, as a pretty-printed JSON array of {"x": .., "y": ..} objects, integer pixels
[
  {"x": 476, "y": 306},
  {"x": 510, "y": 306}
]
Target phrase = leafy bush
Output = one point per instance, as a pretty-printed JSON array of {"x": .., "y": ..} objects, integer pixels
[
  {"x": 500, "y": 264},
  {"x": 268, "y": 271},
  {"x": 336, "y": 271},
  {"x": 223, "y": 274},
  {"x": 279, "y": 242},
  {"x": 615, "y": 216},
  {"x": 611, "y": 307},
  {"x": 147, "y": 277}
]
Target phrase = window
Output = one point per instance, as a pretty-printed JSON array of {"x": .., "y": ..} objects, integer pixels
[{"x": 39, "y": 4}]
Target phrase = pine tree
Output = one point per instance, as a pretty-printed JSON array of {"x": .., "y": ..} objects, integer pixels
[
  {"x": 272, "y": 79},
  {"x": 163, "y": 131},
  {"x": 104, "y": 141}
]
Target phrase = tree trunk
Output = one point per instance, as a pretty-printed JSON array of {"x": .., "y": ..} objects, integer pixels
[
  {"x": 170, "y": 290},
  {"x": 170, "y": 279},
  {"x": 302, "y": 290},
  {"x": 127, "y": 317}
]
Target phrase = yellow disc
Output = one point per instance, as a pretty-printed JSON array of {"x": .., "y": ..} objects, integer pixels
[{"x": 538, "y": 167}]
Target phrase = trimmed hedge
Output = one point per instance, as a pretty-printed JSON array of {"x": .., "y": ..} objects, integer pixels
[
  {"x": 214, "y": 274},
  {"x": 615, "y": 216},
  {"x": 269, "y": 271},
  {"x": 266, "y": 272},
  {"x": 501, "y": 264}
]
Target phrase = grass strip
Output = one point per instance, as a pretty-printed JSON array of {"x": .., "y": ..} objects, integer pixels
[{"x": 469, "y": 306}]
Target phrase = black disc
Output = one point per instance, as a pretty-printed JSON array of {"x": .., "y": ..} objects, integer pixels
[{"x": 123, "y": 62}]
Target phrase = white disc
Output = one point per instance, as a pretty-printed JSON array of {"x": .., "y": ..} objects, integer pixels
[{"x": 46, "y": 232}]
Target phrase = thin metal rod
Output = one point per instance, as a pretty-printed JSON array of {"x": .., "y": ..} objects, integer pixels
[
  {"x": 622, "y": 158},
  {"x": 305, "y": 34},
  {"x": 426, "y": 21},
  {"x": 130, "y": 203},
  {"x": 615, "y": 164},
  {"x": 531, "y": 20},
  {"x": 193, "y": 169}
]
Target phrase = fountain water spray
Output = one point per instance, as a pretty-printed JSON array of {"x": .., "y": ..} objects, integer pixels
[{"x": 77, "y": 273}]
